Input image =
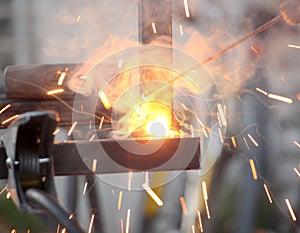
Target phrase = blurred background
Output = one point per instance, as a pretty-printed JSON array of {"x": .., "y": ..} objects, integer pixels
[{"x": 262, "y": 128}]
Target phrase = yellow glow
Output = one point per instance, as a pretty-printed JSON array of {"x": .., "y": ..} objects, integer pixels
[
  {"x": 61, "y": 78},
  {"x": 154, "y": 28},
  {"x": 91, "y": 223},
  {"x": 153, "y": 195},
  {"x": 9, "y": 119},
  {"x": 268, "y": 193},
  {"x": 104, "y": 99},
  {"x": 56, "y": 91},
  {"x": 151, "y": 119},
  {"x": 5, "y": 108},
  {"x": 120, "y": 200},
  {"x": 292, "y": 213},
  {"x": 253, "y": 169},
  {"x": 183, "y": 206},
  {"x": 294, "y": 46},
  {"x": 280, "y": 98},
  {"x": 158, "y": 128}
]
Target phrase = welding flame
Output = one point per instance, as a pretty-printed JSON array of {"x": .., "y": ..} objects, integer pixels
[
  {"x": 153, "y": 92},
  {"x": 152, "y": 119},
  {"x": 157, "y": 128}
]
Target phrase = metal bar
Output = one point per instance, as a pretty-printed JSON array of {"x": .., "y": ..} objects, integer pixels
[
  {"x": 174, "y": 154},
  {"x": 155, "y": 20}
]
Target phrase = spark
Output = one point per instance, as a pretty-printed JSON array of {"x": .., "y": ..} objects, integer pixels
[
  {"x": 72, "y": 128},
  {"x": 204, "y": 132},
  {"x": 64, "y": 230},
  {"x": 181, "y": 133},
  {"x": 222, "y": 115},
  {"x": 200, "y": 122},
  {"x": 186, "y": 8},
  {"x": 268, "y": 193},
  {"x": 233, "y": 142},
  {"x": 181, "y": 30},
  {"x": 152, "y": 194},
  {"x": 58, "y": 228},
  {"x": 120, "y": 200},
  {"x": 154, "y": 28},
  {"x": 10, "y": 119},
  {"x": 84, "y": 188},
  {"x": 71, "y": 216},
  {"x": 13, "y": 231},
  {"x": 253, "y": 169},
  {"x": 61, "y": 78},
  {"x": 220, "y": 134},
  {"x": 262, "y": 91},
  {"x": 78, "y": 19},
  {"x": 256, "y": 31},
  {"x": 295, "y": 169},
  {"x": 120, "y": 63},
  {"x": 184, "y": 107},
  {"x": 104, "y": 99},
  {"x": 192, "y": 130},
  {"x": 7, "y": 195},
  {"x": 4, "y": 188},
  {"x": 291, "y": 210},
  {"x": 205, "y": 196},
  {"x": 252, "y": 139},
  {"x": 94, "y": 165},
  {"x": 129, "y": 180},
  {"x": 183, "y": 206},
  {"x": 297, "y": 144},
  {"x": 254, "y": 49},
  {"x": 5, "y": 108},
  {"x": 193, "y": 229},
  {"x": 147, "y": 178},
  {"x": 56, "y": 131},
  {"x": 92, "y": 138},
  {"x": 219, "y": 119},
  {"x": 127, "y": 221},
  {"x": 294, "y": 46},
  {"x": 280, "y": 98},
  {"x": 122, "y": 225},
  {"x": 101, "y": 122},
  {"x": 246, "y": 143},
  {"x": 199, "y": 221},
  {"x": 56, "y": 91},
  {"x": 91, "y": 223}
]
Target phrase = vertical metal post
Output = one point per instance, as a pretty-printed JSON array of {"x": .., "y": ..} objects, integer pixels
[{"x": 155, "y": 20}]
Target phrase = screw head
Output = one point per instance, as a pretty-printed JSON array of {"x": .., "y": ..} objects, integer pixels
[{"x": 9, "y": 163}]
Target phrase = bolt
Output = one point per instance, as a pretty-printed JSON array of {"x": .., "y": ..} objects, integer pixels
[{"x": 9, "y": 163}]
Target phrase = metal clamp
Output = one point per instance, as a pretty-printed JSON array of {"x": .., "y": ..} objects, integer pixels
[{"x": 28, "y": 143}]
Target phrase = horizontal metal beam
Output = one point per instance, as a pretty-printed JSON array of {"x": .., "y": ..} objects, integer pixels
[{"x": 78, "y": 158}]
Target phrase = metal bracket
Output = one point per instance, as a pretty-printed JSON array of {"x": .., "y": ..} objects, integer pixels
[{"x": 28, "y": 143}]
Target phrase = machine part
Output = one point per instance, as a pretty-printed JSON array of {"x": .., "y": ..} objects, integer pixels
[
  {"x": 47, "y": 202},
  {"x": 28, "y": 146}
]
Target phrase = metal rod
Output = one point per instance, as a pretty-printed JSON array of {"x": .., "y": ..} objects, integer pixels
[
  {"x": 76, "y": 158},
  {"x": 256, "y": 31}
]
